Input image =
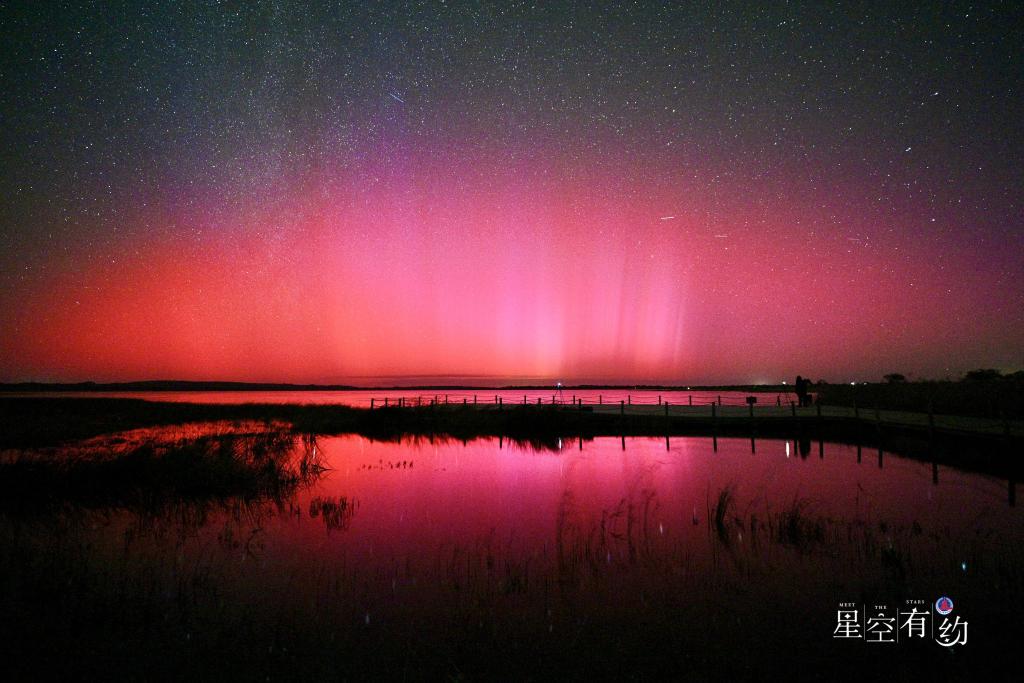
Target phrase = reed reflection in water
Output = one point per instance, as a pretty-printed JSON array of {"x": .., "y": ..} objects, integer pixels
[{"x": 479, "y": 552}]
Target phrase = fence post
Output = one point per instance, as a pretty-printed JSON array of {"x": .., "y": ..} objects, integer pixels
[
  {"x": 690, "y": 397},
  {"x": 371, "y": 404},
  {"x": 659, "y": 399},
  {"x": 622, "y": 407},
  {"x": 629, "y": 397},
  {"x": 385, "y": 402},
  {"x": 499, "y": 403},
  {"x": 714, "y": 416},
  {"x": 666, "y": 408},
  {"x": 719, "y": 400}
]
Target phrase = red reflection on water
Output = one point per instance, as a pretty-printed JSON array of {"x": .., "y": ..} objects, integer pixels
[
  {"x": 422, "y": 525},
  {"x": 426, "y": 500}
]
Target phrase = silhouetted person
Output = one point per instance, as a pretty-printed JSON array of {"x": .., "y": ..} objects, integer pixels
[
  {"x": 801, "y": 390},
  {"x": 807, "y": 392}
]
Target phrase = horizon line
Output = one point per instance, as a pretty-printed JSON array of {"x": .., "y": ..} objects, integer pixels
[{"x": 154, "y": 385}]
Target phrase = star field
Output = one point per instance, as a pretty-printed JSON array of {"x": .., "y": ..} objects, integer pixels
[{"x": 722, "y": 192}]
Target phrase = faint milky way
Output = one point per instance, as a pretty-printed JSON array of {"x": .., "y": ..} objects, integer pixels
[{"x": 281, "y": 191}]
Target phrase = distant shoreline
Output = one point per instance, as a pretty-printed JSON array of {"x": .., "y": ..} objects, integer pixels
[{"x": 184, "y": 385}]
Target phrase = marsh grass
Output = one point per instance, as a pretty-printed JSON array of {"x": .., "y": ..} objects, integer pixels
[
  {"x": 795, "y": 526},
  {"x": 141, "y": 468},
  {"x": 720, "y": 513},
  {"x": 336, "y": 512}
]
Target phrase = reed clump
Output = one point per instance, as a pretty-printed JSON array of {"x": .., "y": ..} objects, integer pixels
[{"x": 268, "y": 462}]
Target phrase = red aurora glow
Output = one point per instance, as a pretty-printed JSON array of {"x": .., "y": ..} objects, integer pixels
[{"x": 507, "y": 272}]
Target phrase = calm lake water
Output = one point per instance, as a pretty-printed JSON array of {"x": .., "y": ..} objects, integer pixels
[
  {"x": 362, "y": 398},
  {"x": 416, "y": 499},
  {"x": 696, "y": 549}
]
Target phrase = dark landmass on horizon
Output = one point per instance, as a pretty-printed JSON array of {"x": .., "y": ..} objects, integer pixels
[{"x": 190, "y": 385}]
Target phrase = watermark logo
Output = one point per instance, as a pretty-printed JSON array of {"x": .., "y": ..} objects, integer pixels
[{"x": 911, "y": 621}]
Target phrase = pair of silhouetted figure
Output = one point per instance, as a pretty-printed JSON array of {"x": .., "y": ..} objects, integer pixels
[{"x": 802, "y": 391}]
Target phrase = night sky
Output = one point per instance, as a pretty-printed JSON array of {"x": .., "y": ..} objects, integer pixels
[{"x": 636, "y": 192}]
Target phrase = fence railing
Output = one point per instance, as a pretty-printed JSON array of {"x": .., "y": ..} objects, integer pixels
[
  {"x": 726, "y": 407},
  {"x": 571, "y": 399}
]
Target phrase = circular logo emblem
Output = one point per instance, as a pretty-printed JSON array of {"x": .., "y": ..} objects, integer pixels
[{"x": 944, "y": 605}]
